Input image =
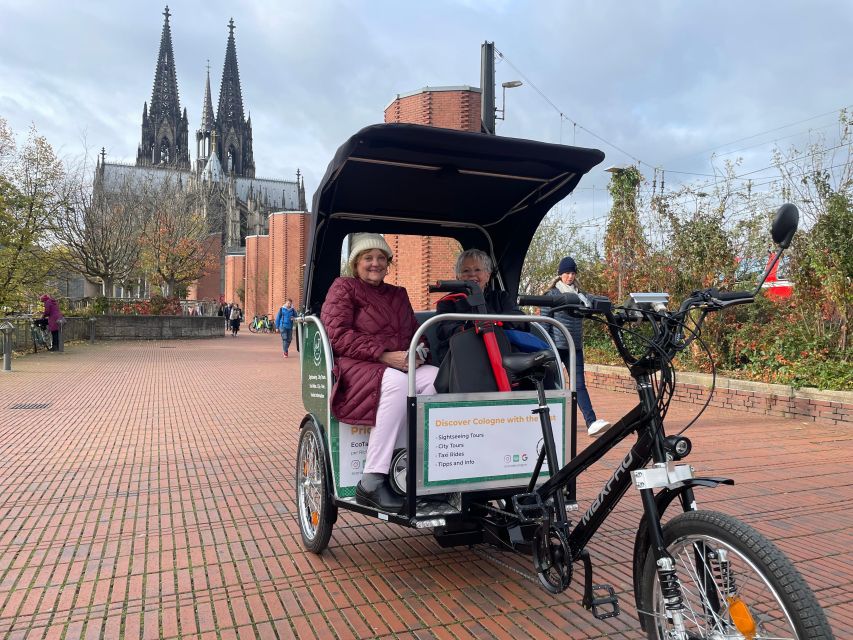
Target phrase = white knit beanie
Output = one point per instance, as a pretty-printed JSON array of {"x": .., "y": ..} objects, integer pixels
[{"x": 362, "y": 242}]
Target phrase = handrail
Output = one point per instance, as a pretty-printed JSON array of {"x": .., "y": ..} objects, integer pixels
[{"x": 444, "y": 317}]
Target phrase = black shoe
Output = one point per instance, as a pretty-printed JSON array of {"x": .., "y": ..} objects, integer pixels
[{"x": 375, "y": 491}]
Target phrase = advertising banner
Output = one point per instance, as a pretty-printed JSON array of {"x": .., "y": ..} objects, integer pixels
[
  {"x": 476, "y": 442},
  {"x": 468, "y": 443}
]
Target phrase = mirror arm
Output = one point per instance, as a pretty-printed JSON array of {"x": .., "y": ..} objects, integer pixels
[{"x": 767, "y": 271}]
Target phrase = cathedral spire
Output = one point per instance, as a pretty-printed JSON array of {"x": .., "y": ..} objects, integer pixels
[
  {"x": 165, "y": 102},
  {"x": 234, "y": 133},
  {"x": 230, "y": 94},
  {"x": 164, "y": 128},
  {"x": 207, "y": 117}
]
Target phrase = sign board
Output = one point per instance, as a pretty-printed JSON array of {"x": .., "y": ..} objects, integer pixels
[
  {"x": 484, "y": 440},
  {"x": 315, "y": 385}
]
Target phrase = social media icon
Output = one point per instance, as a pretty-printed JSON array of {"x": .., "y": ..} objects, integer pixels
[{"x": 507, "y": 459}]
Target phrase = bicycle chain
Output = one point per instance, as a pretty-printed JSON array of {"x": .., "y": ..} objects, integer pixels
[{"x": 491, "y": 558}]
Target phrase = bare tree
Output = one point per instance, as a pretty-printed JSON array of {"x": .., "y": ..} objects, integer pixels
[{"x": 100, "y": 230}]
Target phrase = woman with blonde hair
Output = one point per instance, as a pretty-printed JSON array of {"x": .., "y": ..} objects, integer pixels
[{"x": 370, "y": 324}]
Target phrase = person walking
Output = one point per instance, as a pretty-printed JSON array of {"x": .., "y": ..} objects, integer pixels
[
  {"x": 236, "y": 317},
  {"x": 566, "y": 282},
  {"x": 53, "y": 316},
  {"x": 226, "y": 313},
  {"x": 284, "y": 324}
]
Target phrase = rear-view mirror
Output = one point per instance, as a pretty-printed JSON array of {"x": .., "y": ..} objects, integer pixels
[{"x": 785, "y": 225}]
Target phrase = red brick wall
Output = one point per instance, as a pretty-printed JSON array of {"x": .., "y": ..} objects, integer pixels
[
  {"x": 235, "y": 277},
  {"x": 288, "y": 240},
  {"x": 257, "y": 276},
  {"x": 826, "y": 407},
  {"x": 419, "y": 261},
  {"x": 454, "y": 109}
]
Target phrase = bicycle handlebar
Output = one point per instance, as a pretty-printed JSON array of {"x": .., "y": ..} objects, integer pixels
[{"x": 549, "y": 301}]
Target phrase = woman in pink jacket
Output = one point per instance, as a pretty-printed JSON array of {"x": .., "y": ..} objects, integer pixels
[
  {"x": 370, "y": 324},
  {"x": 53, "y": 315}
]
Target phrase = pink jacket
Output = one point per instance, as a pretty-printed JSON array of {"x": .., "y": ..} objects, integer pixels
[
  {"x": 363, "y": 322},
  {"x": 51, "y": 312}
]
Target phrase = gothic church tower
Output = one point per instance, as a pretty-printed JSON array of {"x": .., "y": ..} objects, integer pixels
[
  {"x": 205, "y": 136},
  {"x": 165, "y": 136},
  {"x": 233, "y": 139}
]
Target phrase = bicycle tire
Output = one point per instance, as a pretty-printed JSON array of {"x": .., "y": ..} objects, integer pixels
[
  {"x": 41, "y": 340},
  {"x": 759, "y": 575},
  {"x": 253, "y": 328},
  {"x": 316, "y": 511}
]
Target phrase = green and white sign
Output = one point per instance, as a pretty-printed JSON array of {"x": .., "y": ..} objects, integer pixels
[
  {"x": 315, "y": 383},
  {"x": 479, "y": 443}
]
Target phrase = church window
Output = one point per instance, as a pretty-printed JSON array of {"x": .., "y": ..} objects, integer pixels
[{"x": 164, "y": 151}]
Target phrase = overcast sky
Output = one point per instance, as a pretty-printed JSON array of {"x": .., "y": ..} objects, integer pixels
[{"x": 668, "y": 83}]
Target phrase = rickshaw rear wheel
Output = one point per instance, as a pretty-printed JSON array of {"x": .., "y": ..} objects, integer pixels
[
  {"x": 398, "y": 471},
  {"x": 316, "y": 513}
]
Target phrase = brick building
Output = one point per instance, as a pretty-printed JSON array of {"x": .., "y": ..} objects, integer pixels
[
  {"x": 272, "y": 268},
  {"x": 421, "y": 260}
]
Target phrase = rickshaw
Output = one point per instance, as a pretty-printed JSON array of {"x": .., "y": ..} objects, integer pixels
[{"x": 499, "y": 467}]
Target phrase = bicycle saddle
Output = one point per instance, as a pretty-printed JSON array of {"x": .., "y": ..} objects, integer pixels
[{"x": 521, "y": 365}]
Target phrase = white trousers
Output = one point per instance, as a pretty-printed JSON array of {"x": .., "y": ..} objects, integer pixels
[{"x": 391, "y": 415}]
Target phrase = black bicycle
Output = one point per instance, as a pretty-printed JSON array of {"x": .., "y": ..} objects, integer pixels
[
  {"x": 703, "y": 574},
  {"x": 40, "y": 335}
]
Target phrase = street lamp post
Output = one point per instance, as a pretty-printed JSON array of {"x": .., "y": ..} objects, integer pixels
[{"x": 512, "y": 84}]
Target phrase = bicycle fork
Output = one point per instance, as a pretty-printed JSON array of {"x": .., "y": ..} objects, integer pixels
[{"x": 670, "y": 586}]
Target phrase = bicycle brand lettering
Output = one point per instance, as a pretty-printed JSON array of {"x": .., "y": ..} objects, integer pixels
[{"x": 622, "y": 469}]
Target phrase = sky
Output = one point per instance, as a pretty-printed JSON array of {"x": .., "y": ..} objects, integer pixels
[{"x": 677, "y": 86}]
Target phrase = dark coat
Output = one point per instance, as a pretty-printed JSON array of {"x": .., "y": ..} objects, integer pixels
[
  {"x": 497, "y": 302},
  {"x": 572, "y": 323},
  {"x": 363, "y": 322}
]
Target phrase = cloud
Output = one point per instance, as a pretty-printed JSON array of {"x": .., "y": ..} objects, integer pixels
[{"x": 663, "y": 81}]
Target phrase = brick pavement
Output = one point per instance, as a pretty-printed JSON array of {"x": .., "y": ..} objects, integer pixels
[{"x": 153, "y": 498}]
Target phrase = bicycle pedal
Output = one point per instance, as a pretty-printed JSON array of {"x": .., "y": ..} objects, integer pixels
[
  {"x": 596, "y": 602},
  {"x": 529, "y": 507}
]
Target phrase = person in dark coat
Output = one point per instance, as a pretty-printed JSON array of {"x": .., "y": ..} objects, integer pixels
[
  {"x": 236, "y": 317},
  {"x": 370, "y": 324},
  {"x": 474, "y": 265},
  {"x": 53, "y": 316},
  {"x": 566, "y": 282}
]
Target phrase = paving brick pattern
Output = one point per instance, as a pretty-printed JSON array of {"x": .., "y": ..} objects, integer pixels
[{"x": 153, "y": 498}]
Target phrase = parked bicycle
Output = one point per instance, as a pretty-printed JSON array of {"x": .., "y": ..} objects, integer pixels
[
  {"x": 40, "y": 335},
  {"x": 261, "y": 324}
]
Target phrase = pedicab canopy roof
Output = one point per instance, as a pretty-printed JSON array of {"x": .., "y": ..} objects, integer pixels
[{"x": 488, "y": 192}]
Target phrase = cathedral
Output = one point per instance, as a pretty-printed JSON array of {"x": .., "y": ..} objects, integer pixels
[{"x": 224, "y": 162}]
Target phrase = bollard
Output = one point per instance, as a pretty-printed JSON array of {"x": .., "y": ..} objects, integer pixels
[
  {"x": 7, "y": 329},
  {"x": 91, "y": 331},
  {"x": 60, "y": 346}
]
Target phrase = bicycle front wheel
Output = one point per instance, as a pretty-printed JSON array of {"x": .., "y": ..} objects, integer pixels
[
  {"x": 253, "y": 328},
  {"x": 735, "y": 583}
]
